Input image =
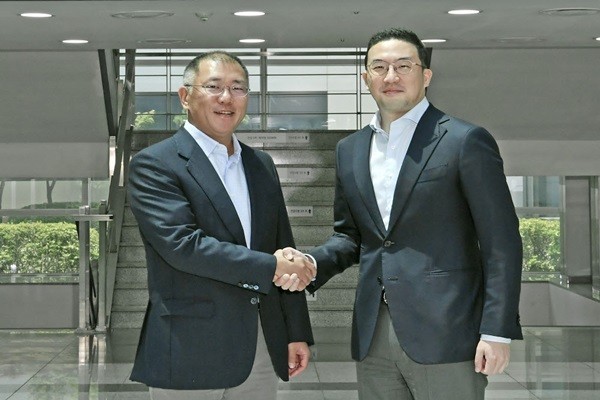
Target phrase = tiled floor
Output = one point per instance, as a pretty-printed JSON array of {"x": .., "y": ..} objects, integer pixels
[{"x": 551, "y": 363}]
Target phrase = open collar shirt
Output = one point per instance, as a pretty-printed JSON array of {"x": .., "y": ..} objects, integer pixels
[
  {"x": 231, "y": 171},
  {"x": 388, "y": 150}
]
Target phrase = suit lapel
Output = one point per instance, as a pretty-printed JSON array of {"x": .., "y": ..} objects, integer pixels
[
  {"x": 256, "y": 179},
  {"x": 427, "y": 135},
  {"x": 203, "y": 172},
  {"x": 362, "y": 172}
]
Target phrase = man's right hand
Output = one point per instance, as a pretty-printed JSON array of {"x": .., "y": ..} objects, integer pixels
[{"x": 298, "y": 271}]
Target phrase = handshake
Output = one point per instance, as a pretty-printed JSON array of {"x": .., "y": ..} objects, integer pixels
[{"x": 294, "y": 270}]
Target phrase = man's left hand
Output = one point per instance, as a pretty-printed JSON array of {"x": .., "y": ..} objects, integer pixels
[
  {"x": 491, "y": 357},
  {"x": 298, "y": 356}
]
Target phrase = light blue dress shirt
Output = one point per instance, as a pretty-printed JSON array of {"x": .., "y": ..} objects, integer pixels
[{"x": 231, "y": 171}]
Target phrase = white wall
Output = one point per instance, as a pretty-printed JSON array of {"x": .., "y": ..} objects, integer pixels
[
  {"x": 542, "y": 105},
  {"x": 53, "y": 116}
]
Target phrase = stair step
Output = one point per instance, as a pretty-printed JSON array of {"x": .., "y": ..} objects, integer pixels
[
  {"x": 128, "y": 297},
  {"x": 304, "y": 156},
  {"x": 131, "y": 252},
  {"x": 341, "y": 317},
  {"x": 127, "y": 319},
  {"x": 322, "y": 195},
  {"x": 132, "y": 264},
  {"x": 127, "y": 276}
]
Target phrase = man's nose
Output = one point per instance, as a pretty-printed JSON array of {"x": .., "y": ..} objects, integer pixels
[
  {"x": 391, "y": 74},
  {"x": 225, "y": 96}
]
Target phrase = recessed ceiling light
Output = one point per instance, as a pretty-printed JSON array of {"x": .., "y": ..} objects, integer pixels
[
  {"x": 433, "y": 40},
  {"x": 75, "y": 41},
  {"x": 598, "y": 38},
  {"x": 249, "y": 13},
  {"x": 570, "y": 11},
  {"x": 252, "y": 40},
  {"x": 36, "y": 15},
  {"x": 463, "y": 12},
  {"x": 143, "y": 14}
]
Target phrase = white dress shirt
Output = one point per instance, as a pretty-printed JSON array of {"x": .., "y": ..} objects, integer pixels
[
  {"x": 387, "y": 155},
  {"x": 231, "y": 171}
]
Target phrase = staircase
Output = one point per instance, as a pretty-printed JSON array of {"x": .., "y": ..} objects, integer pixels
[{"x": 307, "y": 174}]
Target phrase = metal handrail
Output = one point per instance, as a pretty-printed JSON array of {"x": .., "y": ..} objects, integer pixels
[
  {"x": 92, "y": 312},
  {"x": 117, "y": 193}
]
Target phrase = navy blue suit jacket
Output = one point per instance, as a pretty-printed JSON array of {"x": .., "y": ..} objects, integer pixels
[
  {"x": 451, "y": 258},
  {"x": 206, "y": 288}
]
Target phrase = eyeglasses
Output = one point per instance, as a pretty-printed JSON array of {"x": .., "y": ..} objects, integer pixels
[
  {"x": 217, "y": 90},
  {"x": 402, "y": 67}
]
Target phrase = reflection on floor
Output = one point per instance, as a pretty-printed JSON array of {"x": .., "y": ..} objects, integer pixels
[{"x": 551, "y": 363}]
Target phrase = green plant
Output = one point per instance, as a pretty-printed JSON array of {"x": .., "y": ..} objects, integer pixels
[
  {"x": 42, "y": 248},
  {"x": 144, "y": 119},
  {"x": 179, "y": 119},
  {"x": 541, "y": 244}
]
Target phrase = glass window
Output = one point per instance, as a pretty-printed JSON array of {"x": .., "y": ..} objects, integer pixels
[{"x": 537, "y": 202}]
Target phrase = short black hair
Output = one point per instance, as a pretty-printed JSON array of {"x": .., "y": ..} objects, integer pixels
[
  {"x": 189, "y": 74},
  {"x": 403, "y": 35}
]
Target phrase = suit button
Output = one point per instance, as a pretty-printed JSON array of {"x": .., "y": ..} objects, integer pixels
[
  {"x": 387, "y": 243},
  {"x": 255, "y": 287},
  {"x": 245, "y": 286},
  {"x": 254, "y": 300}
]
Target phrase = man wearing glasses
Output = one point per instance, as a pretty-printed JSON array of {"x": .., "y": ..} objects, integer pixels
[
  {"x": 211, "y": 215},
  {"x": 422, "y": 204}
]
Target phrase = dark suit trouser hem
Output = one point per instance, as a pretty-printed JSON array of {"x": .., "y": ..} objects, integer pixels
[{"x": 387, "y": 373}]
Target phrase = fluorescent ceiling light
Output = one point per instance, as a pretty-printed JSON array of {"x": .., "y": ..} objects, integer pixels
[
  {"x": 249, "y": 13},
  {"x": 598, "y": 38},
  {"x": 165, "y": 41},
  {"x": 433, "y": 40},
  {"x": 252, "y": 40},
  {"x": 75, "y": 41},
  {"x": 571, "y": 11},
  {"x": 463, "y": 12},
  {"x": 36, "y": 15},
  {"x": 144, "y": 14},
  {"x": 519, "y": 39}
]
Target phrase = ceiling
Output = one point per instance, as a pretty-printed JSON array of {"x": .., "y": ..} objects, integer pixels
[
  {"x": 530, "y": 77},
  {"x": 296, "y": 23}
]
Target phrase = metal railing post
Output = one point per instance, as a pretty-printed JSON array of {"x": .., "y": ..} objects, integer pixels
[
  {"x": 84, "y": 272},
  {"x": 101, "y": 327}
]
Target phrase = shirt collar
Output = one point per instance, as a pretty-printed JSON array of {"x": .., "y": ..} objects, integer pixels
[
  {"x": 210, "y": 145},
  {"x": 414, "y": 115}
]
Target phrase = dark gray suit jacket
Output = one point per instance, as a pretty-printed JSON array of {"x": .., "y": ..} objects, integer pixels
[
  {"x": 200, "y": 327},
  {"x": 451, "y": 258}
]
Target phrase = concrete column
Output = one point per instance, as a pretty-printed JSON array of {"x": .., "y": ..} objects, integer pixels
[{"x": 577, "y": 233}]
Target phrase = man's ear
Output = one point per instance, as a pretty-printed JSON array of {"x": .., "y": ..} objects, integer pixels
[
  {"x": 183, "y": 96},
  {"x": 428, "y": 75},
  {"x": 365, "y": 78}
]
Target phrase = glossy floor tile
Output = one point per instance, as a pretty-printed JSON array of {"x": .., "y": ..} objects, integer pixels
[{"x": 550, "y": 363}]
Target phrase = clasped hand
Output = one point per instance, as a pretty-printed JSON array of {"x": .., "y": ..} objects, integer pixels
[{"x": 294, "y": 271}]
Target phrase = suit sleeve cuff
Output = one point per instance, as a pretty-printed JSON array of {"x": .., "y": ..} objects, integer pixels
[
  {"x": 499, "y": 339},
  {"x": 314, "y": 262}
]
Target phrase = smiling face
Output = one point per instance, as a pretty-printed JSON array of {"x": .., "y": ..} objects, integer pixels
[
  {"x": 216, "y": 115},
  {"x": 396, "y": 94}
]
